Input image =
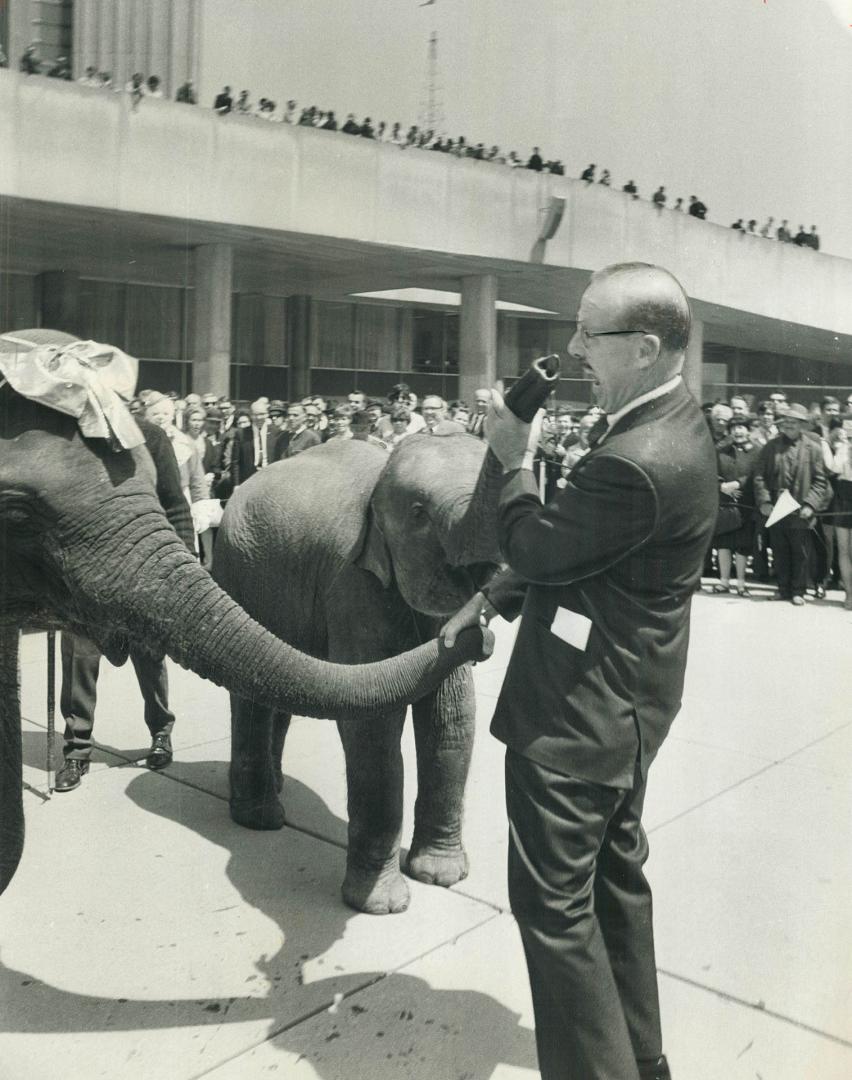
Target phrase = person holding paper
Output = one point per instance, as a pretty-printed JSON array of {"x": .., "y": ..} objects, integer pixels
[
  {"x": 606, "y": 573},
  {"x": 791, "y": 487}
]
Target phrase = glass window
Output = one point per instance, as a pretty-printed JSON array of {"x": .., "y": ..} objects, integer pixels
[
  {"x": 335, "y": 331},
  {"x": 102, "y": 312},
  {"x": 18, "y": 309},
  {"x": 428, "y": 351},
  {"x": 376, "y": 337},
  {"x": 155, "y": 321}
]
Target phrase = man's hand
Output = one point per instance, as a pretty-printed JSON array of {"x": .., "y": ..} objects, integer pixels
[
  {"x": 731, "y": 487},
  {"x": 766, "y": 509},
  {"x": 513, "y": 442},
  {"x": 806, "y": 513},
  {"x": 476, "y": 612}
]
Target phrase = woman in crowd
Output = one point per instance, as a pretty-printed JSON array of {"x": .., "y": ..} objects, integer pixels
[
  {"x": 737, "y": 461},
  {"x": 765, "y": 428},
  {"x": 400, "y": 418},
  {"x": 160, "y": 410},
  {"x": 341, "y": 420},
  {"x": 840, "y": 444}
]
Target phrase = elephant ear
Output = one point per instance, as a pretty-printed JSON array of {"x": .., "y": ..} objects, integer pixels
[{"x": 372, "y": 551}]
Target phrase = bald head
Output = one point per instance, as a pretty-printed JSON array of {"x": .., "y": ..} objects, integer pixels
[{"x": 645, "y": 297}]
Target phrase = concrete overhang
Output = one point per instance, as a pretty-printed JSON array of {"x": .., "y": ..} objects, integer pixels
[{"x": 91, "y": 185}]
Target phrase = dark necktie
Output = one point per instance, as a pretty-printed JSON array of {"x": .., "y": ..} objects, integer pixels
[{"x": 600, "y": 429}]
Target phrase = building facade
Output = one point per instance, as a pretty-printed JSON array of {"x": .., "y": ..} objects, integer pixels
[{"x": 233, "y": 255}]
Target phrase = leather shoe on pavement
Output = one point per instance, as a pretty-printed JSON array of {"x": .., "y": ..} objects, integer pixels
[
  {"x": 798, "y": 601},
  {"x": 161, "y": 751},
  {"x": 654, "y": 1070},
  {"x": 70, "y": 775}
]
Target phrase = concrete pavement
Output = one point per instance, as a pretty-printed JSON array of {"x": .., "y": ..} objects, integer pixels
[{"x": 146, "y": 935}]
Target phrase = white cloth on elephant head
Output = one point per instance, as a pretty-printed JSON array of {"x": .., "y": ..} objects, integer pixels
[{"x": 82, "y": 379}]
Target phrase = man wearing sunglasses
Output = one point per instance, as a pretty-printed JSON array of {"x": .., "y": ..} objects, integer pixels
[{"x": 606, "y": 573}]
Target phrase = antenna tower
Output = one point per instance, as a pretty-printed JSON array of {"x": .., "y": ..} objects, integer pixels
[{"x": 431, "y": 113}]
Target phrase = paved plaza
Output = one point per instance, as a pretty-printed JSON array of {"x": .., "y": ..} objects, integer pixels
[{"x": 147, "y": 936}]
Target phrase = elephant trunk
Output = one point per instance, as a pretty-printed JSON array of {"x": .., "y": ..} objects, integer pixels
[
  {"x": 140, "y": 579},
  {"x": 472, "y": 536}
]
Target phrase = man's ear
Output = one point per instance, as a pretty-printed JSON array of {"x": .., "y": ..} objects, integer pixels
[
  {"x": 373, "y": 554},
  {"x": 649, "y": 351}
]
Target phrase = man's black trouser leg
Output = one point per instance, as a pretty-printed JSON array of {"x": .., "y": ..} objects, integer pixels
[
  {"x": 154, "y": 683},
  {"x": 791, "y": 546},
  {"x": 81, "y": 660},
  {"x": 583, "y": 906},
  {"x": 783, "y": 559}
]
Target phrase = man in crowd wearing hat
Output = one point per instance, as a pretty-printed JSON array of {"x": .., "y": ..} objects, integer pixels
[
  {"x": 794, "y": 464},
  {"x": 278, "y": 414}
]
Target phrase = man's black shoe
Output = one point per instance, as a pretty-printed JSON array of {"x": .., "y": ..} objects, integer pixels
[
  {"x": 654, "y": 1070},
  {"x": 161, "y": 751},
  {"x": 70, "y": 775}
]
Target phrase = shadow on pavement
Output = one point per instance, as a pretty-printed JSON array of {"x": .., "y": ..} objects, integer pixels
[{"x": 311, "y": 917}]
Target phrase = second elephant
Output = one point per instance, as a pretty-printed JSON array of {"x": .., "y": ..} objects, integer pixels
[{"x": 351, "y": 555}]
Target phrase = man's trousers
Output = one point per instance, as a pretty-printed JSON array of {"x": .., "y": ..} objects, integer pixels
[
  {"x": 81, "y": 661},
  {"x": 791, "y": 552},
  {"x": 583, "y": 906}
]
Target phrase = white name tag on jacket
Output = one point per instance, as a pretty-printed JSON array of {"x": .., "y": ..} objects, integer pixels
[{"x": 571, "y": 627}]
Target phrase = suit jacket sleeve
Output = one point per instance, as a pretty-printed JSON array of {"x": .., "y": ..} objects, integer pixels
[
  {"x": 761, "y": 476},
  {"x": 819, "y": 493},
  {"x": 607, "y": 510},
  {"x": 169, "y": 490}
]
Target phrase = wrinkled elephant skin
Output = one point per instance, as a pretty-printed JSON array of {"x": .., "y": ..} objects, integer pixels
[
  {"x": 84, "y": 544},
  {"x": 349, "y": 554}
]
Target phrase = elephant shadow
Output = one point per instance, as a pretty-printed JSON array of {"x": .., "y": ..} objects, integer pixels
[{"x": 400, "y": 1021}]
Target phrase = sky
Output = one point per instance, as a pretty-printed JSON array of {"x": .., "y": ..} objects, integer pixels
[{"x": 745, "y": 103}]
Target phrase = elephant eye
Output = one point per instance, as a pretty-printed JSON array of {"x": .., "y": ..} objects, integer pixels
[{"x": 417, "y": 511}]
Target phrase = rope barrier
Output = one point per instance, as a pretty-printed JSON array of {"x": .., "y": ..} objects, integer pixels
[{"x": 51, "y": 706}]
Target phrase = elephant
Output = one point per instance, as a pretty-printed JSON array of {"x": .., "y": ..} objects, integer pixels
[
  {"x": 354, "y": 555},
  {"x": 85, "y": 545}
]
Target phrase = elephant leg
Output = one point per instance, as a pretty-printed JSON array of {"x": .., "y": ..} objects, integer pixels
[
  {"x": 255, "y": 774},
  {"x": 443, "y": 734},
  {"x": 374, "y": 776},
  {"x": 280, "y": 727},
  {"x": 11, "y": 805}
]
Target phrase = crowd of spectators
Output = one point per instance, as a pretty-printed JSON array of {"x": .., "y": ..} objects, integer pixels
[
  {"x": 782, "y": 233},
  {"x": 763, "y": 449},
  {"x": 802, "y": 456},
  {"x": 397, "y": 134},
  {"x": 219, "y": 445}
]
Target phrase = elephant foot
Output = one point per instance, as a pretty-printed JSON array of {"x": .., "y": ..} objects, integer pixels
[
  {"x": 375, "y": 893},
  {"x": 437, "y": 866},
  {"x": 257, "y": 815}
]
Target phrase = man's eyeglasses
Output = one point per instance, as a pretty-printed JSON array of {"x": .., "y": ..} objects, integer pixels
[{"x": 606, "y": 333}]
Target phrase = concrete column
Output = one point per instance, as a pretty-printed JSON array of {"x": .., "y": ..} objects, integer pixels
[
  {"x": 159, "y": 33},
  {"x": 478, "y": 335},
  {"x": 85, "y": 45},
  {"x": 298, "y": 330},
  {"x": 693, "y": 368},
  {"x": 20, "y": 30},
  {"x": 211, "y": 322},
  {"x": 60, "y": 300}
]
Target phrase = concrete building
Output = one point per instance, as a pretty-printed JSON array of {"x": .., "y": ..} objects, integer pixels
[
  {"x": 234, "y": 255},
  {"x": 156, "y": 37}
]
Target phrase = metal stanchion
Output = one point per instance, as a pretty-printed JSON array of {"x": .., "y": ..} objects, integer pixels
[{"x": 51, "y": 705}]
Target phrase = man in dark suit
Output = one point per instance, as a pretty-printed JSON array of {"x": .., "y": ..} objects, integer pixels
[
  {"x": 792, "y": 462},
  {"x": 606, "y": 572},
  {"x": 476, "y": 423},
  {"x": 254, "y": 446},
  {"x": 297, "y": 436},
  {"x": 81, "y": 658}
]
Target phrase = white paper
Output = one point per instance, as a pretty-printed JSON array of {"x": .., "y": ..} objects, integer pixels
[
  {"x": 571, "y": 627},
  {"x": 785, "y": 506}
]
